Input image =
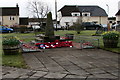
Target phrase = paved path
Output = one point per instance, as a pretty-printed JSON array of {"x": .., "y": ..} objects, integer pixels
[{"x": 64, "y": 63}]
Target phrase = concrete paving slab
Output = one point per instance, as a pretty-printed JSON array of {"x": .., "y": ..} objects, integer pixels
[
  {"x": 66, "y": 63},
  {"x": 55, "y": 75},
  {"x": 39, "y": 74}
]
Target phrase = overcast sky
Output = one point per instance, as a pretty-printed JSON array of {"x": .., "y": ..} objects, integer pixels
[{"x": 112, "y": 4}]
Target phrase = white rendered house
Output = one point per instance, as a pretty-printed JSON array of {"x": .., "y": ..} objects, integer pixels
[{"x": 68, "y": 14}]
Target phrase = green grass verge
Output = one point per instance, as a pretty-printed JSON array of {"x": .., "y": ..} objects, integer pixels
[
  {"x": 16, "y": 60},
  {"x": 63, "y": 32},
  {"x": 82, "y": 33},
  {"x": 88, "y": 36},
  {"x": 13, "y": 60},
  {"x": 22, "y": 36}
]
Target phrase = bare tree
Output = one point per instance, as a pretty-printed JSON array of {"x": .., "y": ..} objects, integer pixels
[
  {"x": 78, "y": 25},
  {"x": 39, "y": 10}
]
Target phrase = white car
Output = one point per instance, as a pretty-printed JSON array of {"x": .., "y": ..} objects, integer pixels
[
  {"x": 35, "y": 27},
  {"x": 104, "y": 25},
  {"x": 115, "y": 25}
]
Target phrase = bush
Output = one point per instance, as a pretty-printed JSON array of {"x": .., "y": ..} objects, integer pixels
[
  {"x": 110, "y": 39},
  {"x": 71, "y": 28},
  {"x": 112, "y": 35},
  {"x": 10, "y": 41},
  {"x": 22, "y": 28},
  {"x": 78, "y": 28}
]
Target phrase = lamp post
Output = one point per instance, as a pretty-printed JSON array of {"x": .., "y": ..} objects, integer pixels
[
  {"x": 107, "y": 9},
  {"x": 108, "y": 25},
  {"x": 56, "y": 13}
]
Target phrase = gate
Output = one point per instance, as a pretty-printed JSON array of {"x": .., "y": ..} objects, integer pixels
[{"x": 85, "y": 42}]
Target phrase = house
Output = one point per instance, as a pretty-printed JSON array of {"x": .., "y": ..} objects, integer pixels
[
  {"x": 112, "y": 20},
  {"x": 23, "y": 21},
  {"x": 68, "y": 14},
  {"x": 118, "y": 20},
  {"x": 118, "y": 14},
  {"x": 36, "y": 21},
  {"x": 9, "y": 15},
  {"x": 118, "y": 17}
]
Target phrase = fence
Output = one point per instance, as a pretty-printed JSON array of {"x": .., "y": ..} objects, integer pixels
[{"x": 82, "y": 42}]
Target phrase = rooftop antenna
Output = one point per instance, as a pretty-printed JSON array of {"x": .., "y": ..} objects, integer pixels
[{"x": 107, "y": 9}]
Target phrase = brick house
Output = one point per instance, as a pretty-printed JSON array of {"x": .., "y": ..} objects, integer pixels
[{"x": 9, "y": 15}]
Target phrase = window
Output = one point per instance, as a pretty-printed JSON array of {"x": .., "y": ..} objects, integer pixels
[
  {"x": 110, "y": 21},
  {"x": 11, "y": 18},
  {"x": 86, "y": 14},
  {"x": 118, "y": 22},
  {"x": 95, "y": 22},
  {"x": 75, "y": 14},
  {"x": 66, "y": 23}
]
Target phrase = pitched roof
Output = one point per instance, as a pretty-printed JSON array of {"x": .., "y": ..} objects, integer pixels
[
  {"x": 36, "y": 19},
  {"x": 111, "y": 18},
  {"x": 94, "y": 10},
  {"x": 67, "y": 10},
  {"x": 118, "y": 13},
  {"x": 23, "y": 20},
  {"x": 9, "y": 11}
]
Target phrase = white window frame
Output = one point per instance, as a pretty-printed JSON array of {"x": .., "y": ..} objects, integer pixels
[
  {"x": 11, "y": 18},
  {"x": 86, "y": 13},
  {"x": 75, "y": 14}
]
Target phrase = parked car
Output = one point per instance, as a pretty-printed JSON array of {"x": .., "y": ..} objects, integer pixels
[
  {"x": 91, "y": 25},
  {"x": 117, "y": 25},
  {"x": 114, "y": 26},
  {"x": 36, "y": 28},
  {"x": 104, "y": 27},
  {"x": 4, "y": 29},
  {"x": 59, "y": 27}
]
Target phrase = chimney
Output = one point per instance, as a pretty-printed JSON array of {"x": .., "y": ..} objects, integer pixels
[{"x": 17, "y": 5}]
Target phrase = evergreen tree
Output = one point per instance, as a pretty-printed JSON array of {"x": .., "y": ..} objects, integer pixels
[{"x": 49, "y": 29}]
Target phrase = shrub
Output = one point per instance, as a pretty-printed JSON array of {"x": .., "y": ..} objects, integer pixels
[
  {"x": 10, "y": 41},
  {"x": 49, "y": 29},
  {"x": 112, "y": 35},
  {"x": 71, "y": 28},
  {"x": 110, "y": 39},
  {"x": 23, "y": 28}
]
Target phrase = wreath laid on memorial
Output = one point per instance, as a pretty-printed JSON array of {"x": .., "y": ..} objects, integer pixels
[{"x": 55, "y": 44}]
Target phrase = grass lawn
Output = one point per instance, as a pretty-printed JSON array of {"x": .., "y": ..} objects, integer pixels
[
  {"x": 22, "y": 36},
  {"x": 13, "y": 60},
  {"x": 88, "y": 35},
  {"x": 16, "y": 60},
  {"x": 84, "y": 33}
]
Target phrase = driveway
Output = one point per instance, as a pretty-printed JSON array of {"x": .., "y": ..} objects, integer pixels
[{"x": 68, "y": 63}]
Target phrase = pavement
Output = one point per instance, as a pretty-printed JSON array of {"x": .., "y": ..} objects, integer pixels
[{"x": 66, "y": 64}]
